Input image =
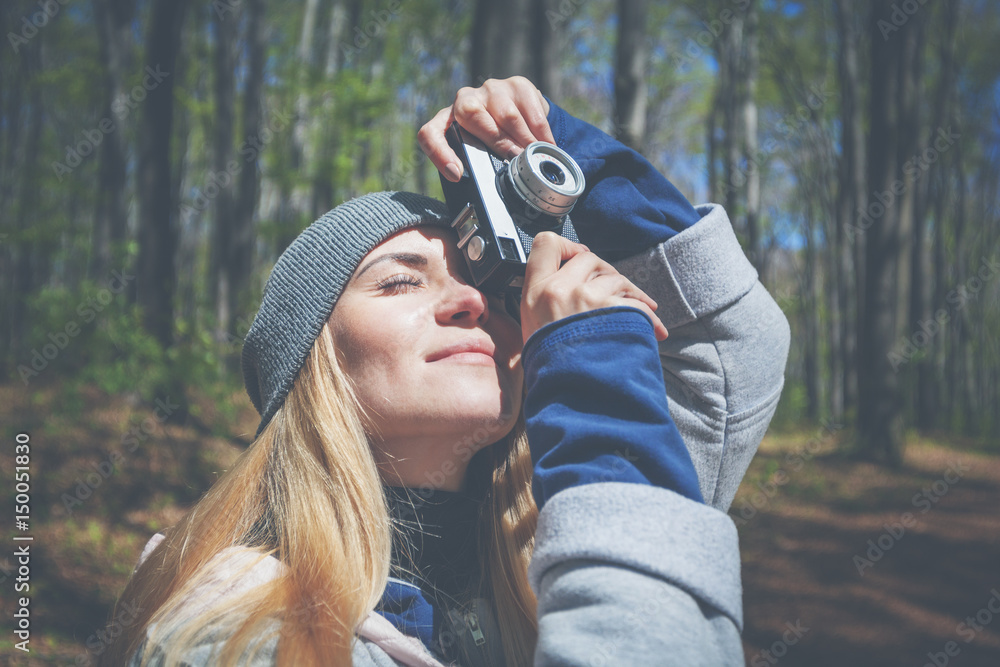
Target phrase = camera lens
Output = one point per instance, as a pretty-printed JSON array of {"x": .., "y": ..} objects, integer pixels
[
  {"x": 552, "y": 172},
  {"x": 545, "y": 178}
]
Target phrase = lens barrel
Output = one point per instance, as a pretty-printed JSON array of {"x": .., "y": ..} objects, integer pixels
[{"x": 546, "y": 178}]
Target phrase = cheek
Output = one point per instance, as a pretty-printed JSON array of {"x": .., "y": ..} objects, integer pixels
[{"x": 376, "y": 343}]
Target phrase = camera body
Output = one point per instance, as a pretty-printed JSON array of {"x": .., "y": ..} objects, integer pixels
[{"x": 499, "y": 206}]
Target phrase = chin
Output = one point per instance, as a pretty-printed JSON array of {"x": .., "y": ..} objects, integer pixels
[
  {"x": 482, "y": 404},
  {"x": 483, "y": 419}
]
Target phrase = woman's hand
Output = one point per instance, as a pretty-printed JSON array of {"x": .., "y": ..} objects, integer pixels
[
  {"x": 563, "y": 278},
  {"x": 506, "y": 115}
]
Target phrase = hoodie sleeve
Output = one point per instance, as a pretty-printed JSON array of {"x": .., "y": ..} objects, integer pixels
[
  {"x": 596, "y": 408},
  {"x": 724, "y": 361},
  {"x": 629, "y": 566}
]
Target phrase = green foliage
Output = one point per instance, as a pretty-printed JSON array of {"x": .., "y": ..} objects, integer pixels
[
  {"x": 791, "y": 408},
  {"x": 112, "y": 352},
  {"x": 94, "y": 337},
  {"x": 209, "y": 368}
]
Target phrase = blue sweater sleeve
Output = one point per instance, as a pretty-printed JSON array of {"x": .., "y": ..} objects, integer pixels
[
  {"x": 596, "y": 407},
  {"x": 627, "y": 206}
]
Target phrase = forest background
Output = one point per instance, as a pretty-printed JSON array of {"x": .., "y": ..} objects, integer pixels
[{"x": 156, "y": 156}]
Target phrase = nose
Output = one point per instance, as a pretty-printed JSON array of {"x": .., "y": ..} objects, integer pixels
[{"x": 462, "y": 301}]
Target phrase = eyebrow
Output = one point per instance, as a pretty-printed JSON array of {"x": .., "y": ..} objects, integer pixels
[{"x": 408, "y": 258}]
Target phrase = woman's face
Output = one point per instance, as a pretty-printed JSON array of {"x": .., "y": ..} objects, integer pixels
[{"x": 435, "y": 362}]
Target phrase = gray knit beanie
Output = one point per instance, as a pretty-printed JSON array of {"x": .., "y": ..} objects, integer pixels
[{"x": 308, "y": 279}]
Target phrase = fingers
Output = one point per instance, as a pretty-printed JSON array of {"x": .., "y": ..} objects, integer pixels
[
  {"x": 535, "y": 111},
  {"x": 432, "y": 141},
  {"x": 494, "y": 118},
  {"x": 608, "y": 287},
  {"x": 506, "y": 115},
  {"x": 548, "y": 252},
  {"x": 540, "y": 304},
  {"x": 563, "y": 278},
  {"x": 520, "y": 112},
  {"x": 659, "y": 329}
]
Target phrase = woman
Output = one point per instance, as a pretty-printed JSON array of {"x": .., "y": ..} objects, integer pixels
[{"x": 433, "y": 482}]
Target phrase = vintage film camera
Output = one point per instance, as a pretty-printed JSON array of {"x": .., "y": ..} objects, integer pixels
[{"x": 499, "y": 206}]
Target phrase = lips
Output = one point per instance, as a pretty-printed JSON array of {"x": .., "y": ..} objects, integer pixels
[{"x": 471, "y": 345}]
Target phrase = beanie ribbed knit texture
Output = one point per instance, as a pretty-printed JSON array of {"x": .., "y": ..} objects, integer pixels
[{"x": 308, "y": 279}]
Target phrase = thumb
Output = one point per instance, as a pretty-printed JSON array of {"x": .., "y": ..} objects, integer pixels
[{"x": 548, "y": 252}]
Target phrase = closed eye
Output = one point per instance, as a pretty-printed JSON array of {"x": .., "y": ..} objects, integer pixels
[{"x": 397, "y": 283}]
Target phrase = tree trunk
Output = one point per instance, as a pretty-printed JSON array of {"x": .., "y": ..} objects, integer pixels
[
  {"x": 240, "y": 265},
  {"x": 729, "y": 80},
  {"x": 750, "y": 138},
  {"x": 833, "y": 278},
  {"x": 224, "y": 27},
  {"x": 630, "y": 74},
  {"x": 810, "y": 318},
  {"x": 909, "y": 144},
  {"x": 324, "y": 193},
  {"x": 880, "y": 424},
  {"x": 190, "y": 286},
  {"x": 28, "y": 255},
  {"x": 114, "y": 24},
  {"x": 940, "y": 287},
  {"x": 712, "y": 146},
  {"x": 932, "y": 291},
  {"x": 546, "y": 46},
  {"x": 500, "y": 47},
  {"x": 302, "y": 147},
  {"x": 961, "y": 361},
  {"x": 920, "y": 306},
  {"x": 12, "y": 296},
  {"x": 848, "y": 237},
  {"x": 157, "y": 239}
]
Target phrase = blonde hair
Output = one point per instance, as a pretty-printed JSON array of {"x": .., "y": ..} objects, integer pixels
[{"x": 308, "y": 491}]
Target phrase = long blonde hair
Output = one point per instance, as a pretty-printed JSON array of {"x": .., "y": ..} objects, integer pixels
[{"x": 309, "y": 492}]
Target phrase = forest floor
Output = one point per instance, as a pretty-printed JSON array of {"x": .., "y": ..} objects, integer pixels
[
  {"x": 844, "y": 563},
  {"x": 848, "y": 563}
]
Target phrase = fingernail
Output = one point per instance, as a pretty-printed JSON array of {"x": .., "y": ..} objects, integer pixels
[{"x": 454, "y": 171}]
